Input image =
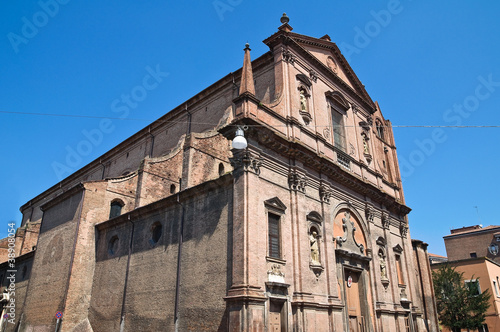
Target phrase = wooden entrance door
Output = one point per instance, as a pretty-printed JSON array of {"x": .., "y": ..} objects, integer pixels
[
  {"x": 356, "y": 319},
  {"x": 275, "y": 317}
]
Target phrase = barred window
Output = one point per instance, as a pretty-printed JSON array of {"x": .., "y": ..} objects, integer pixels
[
  {"x": 338, "y": 130},
  {"x": 274, "y": 235}
]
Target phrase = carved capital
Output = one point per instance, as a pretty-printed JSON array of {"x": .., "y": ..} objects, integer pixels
[
  {"x": 385, "y": 220},
  {"x": 246, "y": 160},
  {"x": 296, "y": 181},
  {"x": 403, "y": 229},
  {"x": 325, "y": 193},
  {"x": 288, "y": 56},
  {"x": 369, "y": 213}
]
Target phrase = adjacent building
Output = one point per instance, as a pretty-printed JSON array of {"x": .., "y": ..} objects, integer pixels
[
  {"x": 473, "y": 251},
  {"x": 305, "y": 229}
]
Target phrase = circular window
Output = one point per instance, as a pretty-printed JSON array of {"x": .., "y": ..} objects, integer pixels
[
  {"x": 493, "y": 249},
  {"x": 156, "y": 232},
  {"x": 113, "y": 245}
]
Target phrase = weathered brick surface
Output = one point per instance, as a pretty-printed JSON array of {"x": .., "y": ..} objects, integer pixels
[
  {"x": 461, "y": 245},
  {"x": 109, "y": 275},
  {"x": 51, "y": 267},
  {"x": 149, "y": 296}
]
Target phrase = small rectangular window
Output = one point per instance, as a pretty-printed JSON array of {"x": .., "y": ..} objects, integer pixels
[
  {"x": 473, "y": 255},
  {"x": 473, "y": 286},
  {"x": 495, "y": 286},
  {"x": 274, "y": 235}
]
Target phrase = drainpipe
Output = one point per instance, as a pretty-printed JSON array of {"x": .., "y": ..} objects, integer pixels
[
  {"x": 103, "y": 169},
  {"x": 152, "y": 143},
  {"x": 122, "y": 314},
  {"x": 179, "y": 255},
  {"x": 189, "y": 121}
]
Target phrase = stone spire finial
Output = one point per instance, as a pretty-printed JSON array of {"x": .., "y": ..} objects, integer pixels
[
  {"x": 246, "y": 73},
  {"x": 284, "y": 23},
  {"x": 284, "y": 19}
]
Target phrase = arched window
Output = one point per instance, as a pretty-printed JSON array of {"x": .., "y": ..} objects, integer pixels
[
  {"x": 172, "y": 188},
  {"x": 116, "y": 208},
  {"x": 221, "y": 169}
]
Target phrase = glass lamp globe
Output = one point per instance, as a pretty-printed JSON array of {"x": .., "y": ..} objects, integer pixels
[{"x": 239, "y": 142}]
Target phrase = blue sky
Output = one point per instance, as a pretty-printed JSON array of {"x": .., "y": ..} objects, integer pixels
[{"x": 426, "y": 63}]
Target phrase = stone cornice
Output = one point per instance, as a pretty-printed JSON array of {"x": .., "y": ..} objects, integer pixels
[{"x": 277, "y": 142}]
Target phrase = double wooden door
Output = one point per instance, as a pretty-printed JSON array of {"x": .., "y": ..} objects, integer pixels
[{"x": 354, "y": 312}]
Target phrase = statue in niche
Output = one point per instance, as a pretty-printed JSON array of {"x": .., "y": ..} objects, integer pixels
[
  {"x": 304, "y": 112},
  {"x": 383, "y": 266},
  {"x": 313, "y": 239},
  {"x": 365, "y": 145},
  {"x": 303, "y": 100}
]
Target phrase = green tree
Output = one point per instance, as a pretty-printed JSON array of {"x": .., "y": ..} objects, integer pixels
[{"x": 459, "y": 304}]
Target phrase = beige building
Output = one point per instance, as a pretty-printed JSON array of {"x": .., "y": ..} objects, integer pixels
[
  {"x": 473, "y": 250},
  {"x": 306, "y": 229},
  {"x": 486, "y": 272}
]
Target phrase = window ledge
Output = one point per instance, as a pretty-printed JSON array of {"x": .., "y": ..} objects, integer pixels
[{"x": 275, "y": 260}]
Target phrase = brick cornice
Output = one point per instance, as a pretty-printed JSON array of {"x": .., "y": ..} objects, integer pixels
[{"x": 68, "y": 193}]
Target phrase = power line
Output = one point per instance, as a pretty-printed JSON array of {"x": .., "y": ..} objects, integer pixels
[{"x": 214, "y": 124}]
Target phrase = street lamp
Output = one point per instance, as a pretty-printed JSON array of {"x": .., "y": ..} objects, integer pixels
[{"x": 239, "y": 141}]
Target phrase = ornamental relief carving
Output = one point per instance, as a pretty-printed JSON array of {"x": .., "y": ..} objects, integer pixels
[
  {"x": 326, "y": 132},
  {"x": 275, "y": 274},
  {"x": 348, "y": 239}
]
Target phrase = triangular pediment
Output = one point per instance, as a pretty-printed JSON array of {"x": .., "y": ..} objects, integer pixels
[
  {"x": 326, "y": 57},
  {"x": 276, "y": 204},
  {"x": 332, "y": 62},
  {"x": 381, "y": 241},
  {"x": 397, "y": 248}
]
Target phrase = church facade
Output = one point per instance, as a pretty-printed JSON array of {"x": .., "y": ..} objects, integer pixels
[{"x": 305, "y": 229}]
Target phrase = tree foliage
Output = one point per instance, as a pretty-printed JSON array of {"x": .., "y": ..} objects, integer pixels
[{"x": 459, "y": 305}]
